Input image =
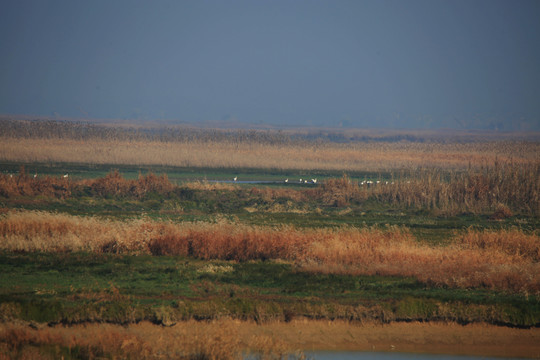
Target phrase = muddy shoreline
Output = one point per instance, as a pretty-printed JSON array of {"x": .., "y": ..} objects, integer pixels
[
  {"x": 304, "y": 335},
  {"x": 413, "y": 337}
]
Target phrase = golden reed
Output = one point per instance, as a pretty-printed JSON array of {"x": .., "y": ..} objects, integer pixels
[{"x": 352, "y": 156}]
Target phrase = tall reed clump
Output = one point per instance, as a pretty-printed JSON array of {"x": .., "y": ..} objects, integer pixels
[
  {"x": 510, "y": 184},
  {"x": 502, "y": 260},
  {"x": 489, "y": 189}
]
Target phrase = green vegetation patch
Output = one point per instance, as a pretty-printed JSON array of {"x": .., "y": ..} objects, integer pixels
[{"x": 79, "y": 287}]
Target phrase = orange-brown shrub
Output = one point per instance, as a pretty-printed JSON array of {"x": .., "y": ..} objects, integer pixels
[
  {"x": 25, "y": 185},
  {"x": 502, "y": 212},
  {"x": 114, "y": 184},
  {"x": 229, "y": 241}
]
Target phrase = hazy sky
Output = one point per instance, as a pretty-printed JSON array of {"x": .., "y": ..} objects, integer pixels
[{"x": 406, "y": 63}]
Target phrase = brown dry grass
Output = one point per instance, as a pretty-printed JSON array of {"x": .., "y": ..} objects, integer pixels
[
  {"x": 460, "y": 265},
  {"x": 224, "y": 339},
  {"x": 137, "y": 342},
  {"x": 503, "y": 260}
]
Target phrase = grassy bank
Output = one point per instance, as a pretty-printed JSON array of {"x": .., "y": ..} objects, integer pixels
[
  {"x": 227, "y": 339},
  {"x": 72, "y": 288},
  {"x": 503, "y": 260}
]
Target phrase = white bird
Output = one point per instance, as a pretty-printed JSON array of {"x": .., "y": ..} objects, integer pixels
[
  {"x": 235, "y": 178},
  {"x": 314, "y": 181},
  {"x": 65, "y": 176},
  {"x": 35, "y": 176},
  {"x": 286, "y": 180},
  {"x": 300, "y": 181}
]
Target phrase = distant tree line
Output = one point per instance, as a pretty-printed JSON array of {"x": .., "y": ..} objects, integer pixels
[{"x": 44, "y": 128}]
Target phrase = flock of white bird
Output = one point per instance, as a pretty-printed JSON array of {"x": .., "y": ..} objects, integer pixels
[
  {"x": 305, "y": 181},
  {"x": 314, "y": 181},
  {"x": 369, "y": 182},
  {"x": 65, "y": 176},
  {"x": 301, "y": 181}
]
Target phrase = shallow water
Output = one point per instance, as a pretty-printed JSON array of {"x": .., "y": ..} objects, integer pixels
[
  {"x": 246, "y": 181},
  {"x": 368, "y": 355},
  {"x": 261, "y": 182}
]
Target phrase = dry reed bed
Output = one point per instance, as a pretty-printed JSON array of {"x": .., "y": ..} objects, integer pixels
[
  {"x": 113, "y": 184},
  {"x": 190, "y": 341},
  {"x": 503, "y": 260},
  {"x": 490, "y": 188},
  {"x": 353, "y": 156},
  {"x": 501, "y": 187}
]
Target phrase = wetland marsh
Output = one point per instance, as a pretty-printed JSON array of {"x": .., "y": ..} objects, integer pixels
[{"x": 164, "y": 246}]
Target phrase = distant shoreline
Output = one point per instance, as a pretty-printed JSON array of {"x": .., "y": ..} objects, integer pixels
[{"x": 330, "y": 133}]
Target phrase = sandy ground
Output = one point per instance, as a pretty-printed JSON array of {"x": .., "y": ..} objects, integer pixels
[{"x": 307, "y": 335}]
